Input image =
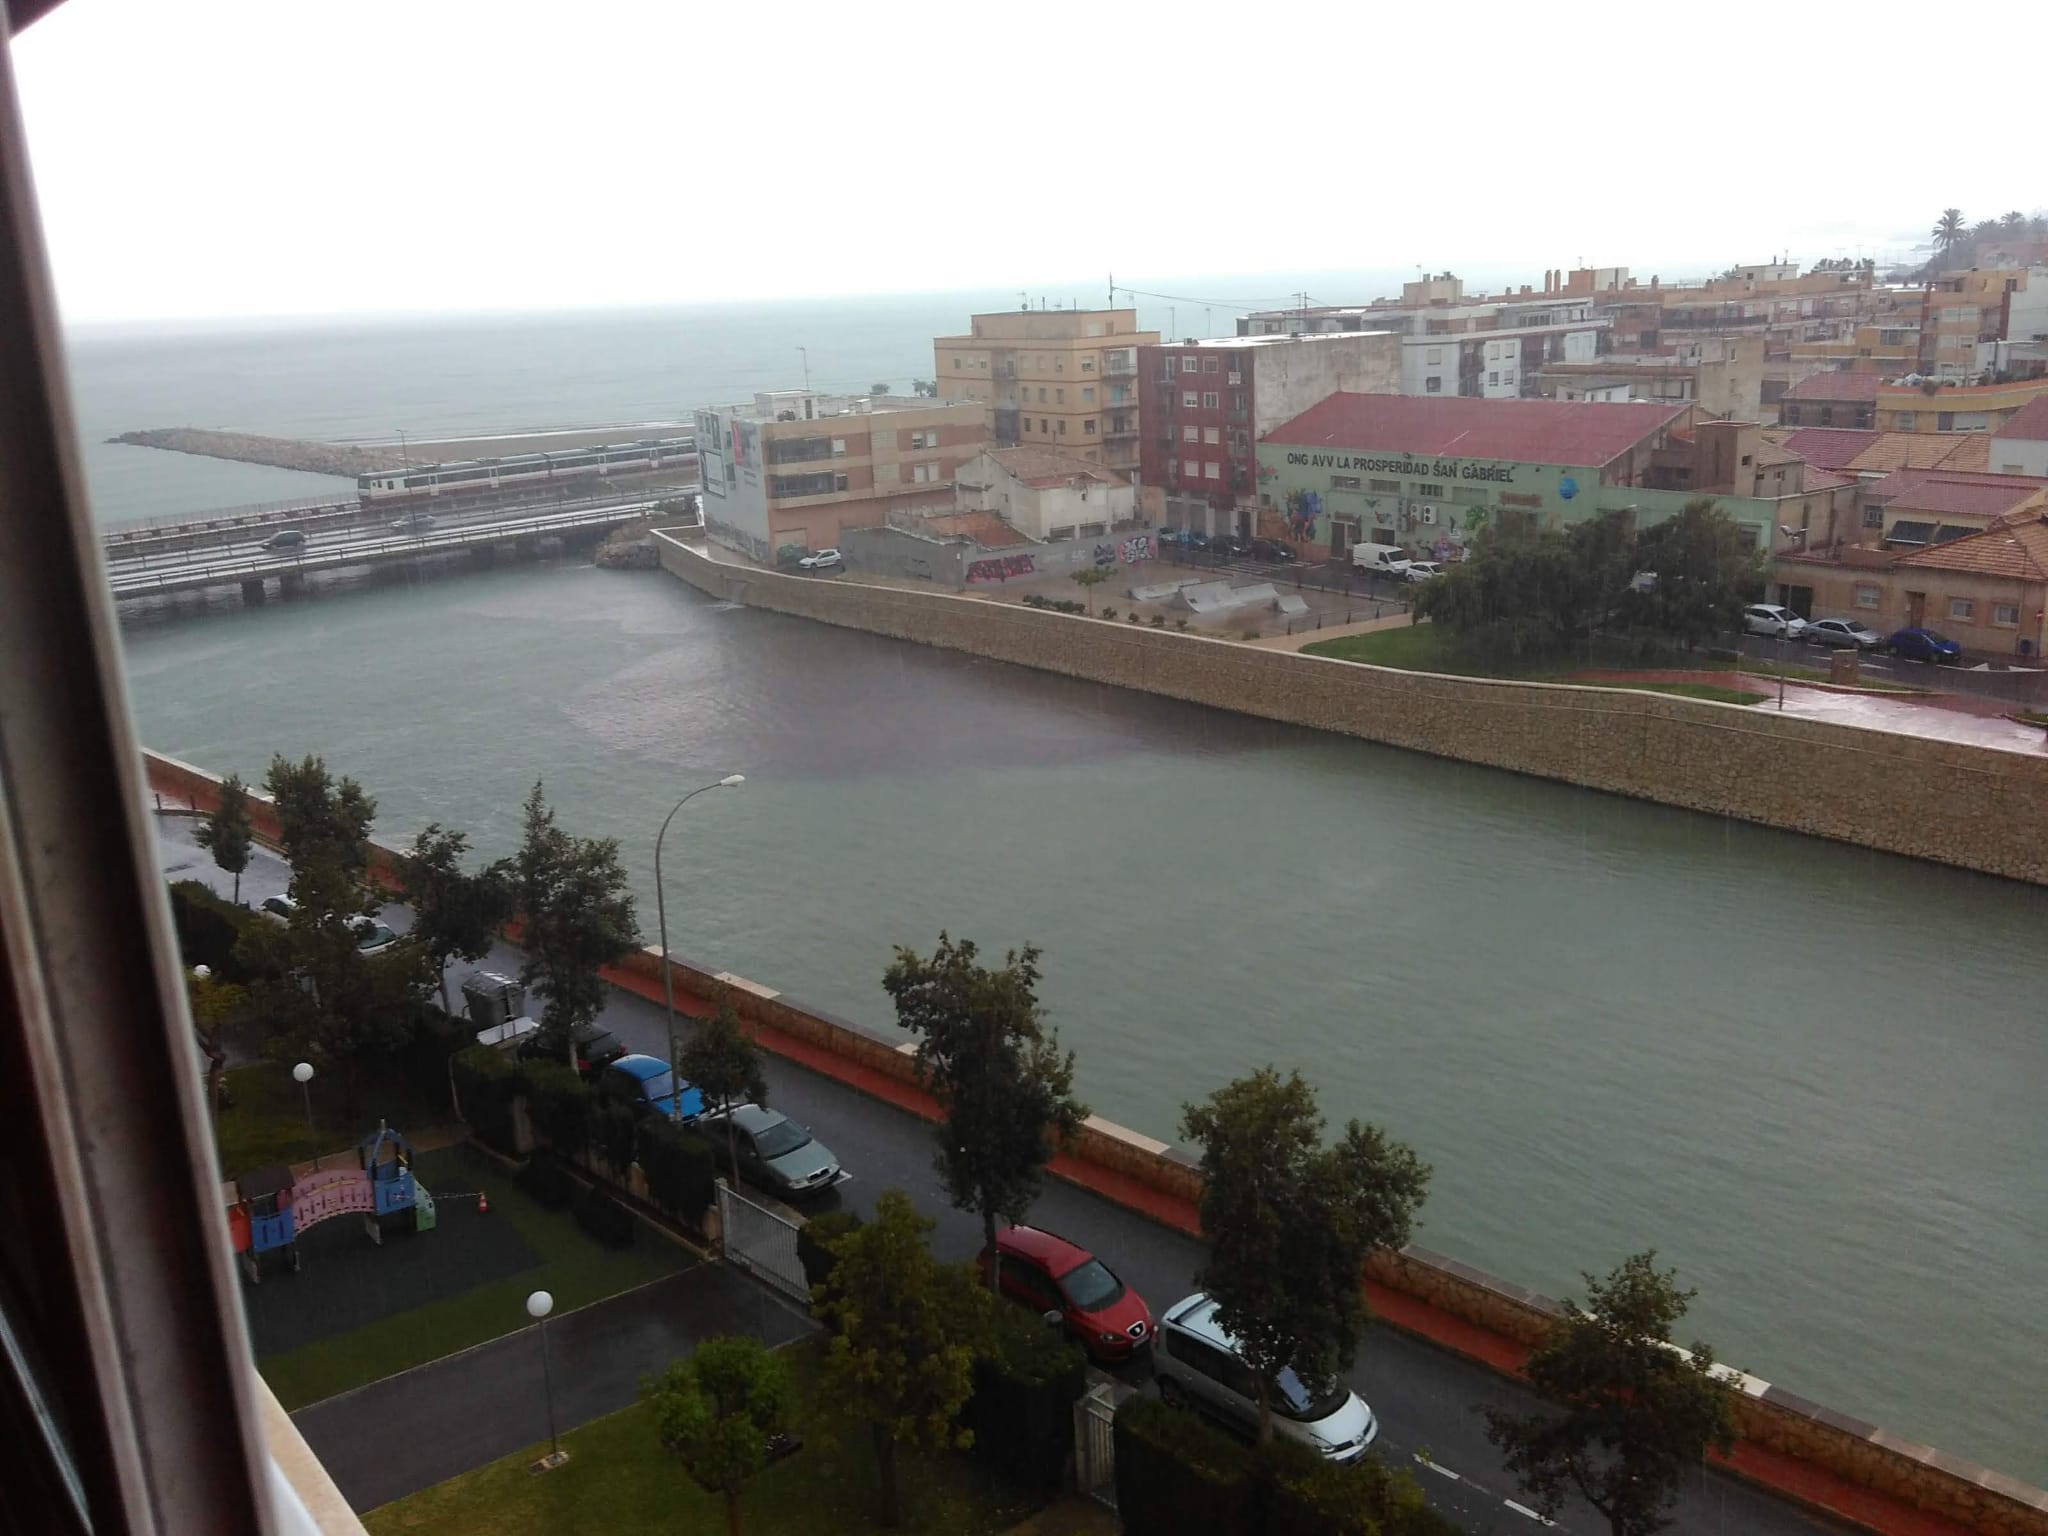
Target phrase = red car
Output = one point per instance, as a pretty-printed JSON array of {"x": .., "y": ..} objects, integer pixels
[{"x": 1049, "y": 1274}]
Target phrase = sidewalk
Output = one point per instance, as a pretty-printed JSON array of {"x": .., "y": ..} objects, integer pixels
[{"x": 464, "y": 1411}]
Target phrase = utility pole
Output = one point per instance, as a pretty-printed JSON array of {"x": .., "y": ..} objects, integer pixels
[{"x": 805, "y": 354}]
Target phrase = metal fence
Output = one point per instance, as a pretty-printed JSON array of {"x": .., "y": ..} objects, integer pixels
[
  {"x": 1095, "y": 1441},
  {"x": 761, "y": 1242}
]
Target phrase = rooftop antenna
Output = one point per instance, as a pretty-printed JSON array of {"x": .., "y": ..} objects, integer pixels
[
  {"x": 1112, "y": 290},
  {"x": 1024, "y": 297},
  {"x": 805, "y": 354}
]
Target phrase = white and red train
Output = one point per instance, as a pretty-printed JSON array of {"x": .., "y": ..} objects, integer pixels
[{"x": 567, "y": 467}]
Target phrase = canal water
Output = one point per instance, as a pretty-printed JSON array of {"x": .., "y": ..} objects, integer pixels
[{"x": 1810, "y": 1076}]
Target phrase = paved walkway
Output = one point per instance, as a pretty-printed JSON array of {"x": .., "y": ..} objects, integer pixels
[{"x": 426, "y": 1425}]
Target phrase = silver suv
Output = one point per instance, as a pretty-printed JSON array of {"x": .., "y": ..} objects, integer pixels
[{"x": 1197, "y": 1364}]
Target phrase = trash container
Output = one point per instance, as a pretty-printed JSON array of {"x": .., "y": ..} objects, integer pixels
[{"x": 492, "y": 999}]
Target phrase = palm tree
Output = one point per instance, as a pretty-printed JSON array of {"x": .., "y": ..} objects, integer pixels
[
  {"x": 2014, "y": 223},
  {"x": 1949, "y": 230}
]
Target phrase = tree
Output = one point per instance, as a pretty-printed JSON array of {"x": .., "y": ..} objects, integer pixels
[
  {"x": 726, "y": 1067},
  {"x": 454, "y": 913},
  {"x": 720, "y": 1410},
  {"x": 907, "y": 1328},
  {"x": 1948, "y": 231},
  {"x": 324, "y": 827},
  {"x": 1521, "y": 593},
  {"x": 2013, "y": 223},
  {"x": 984, "y": 1051},
  {"x": 878, "y": 389},
  {"x": 1088, "y": 578},
  {"x": 226, "y": 834},
  {"x": 928, "y": 388},
  {"x": 578, "y": 918},
  {"x": 1637, "y": 1413},
  {"x": 215, "y": 1004},
  {"x": 1291, "y": 1222},
  {"x": 1705, "y": 571}
]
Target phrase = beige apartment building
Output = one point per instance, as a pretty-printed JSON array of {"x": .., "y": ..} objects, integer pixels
[
  {"x": 1064, "y": 379},
  {"x": 795, "y": 469}
]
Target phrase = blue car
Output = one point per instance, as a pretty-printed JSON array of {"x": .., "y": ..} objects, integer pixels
[
  {"x": 648, "y": 1085},
  {"x": 1925, "y": 645}
]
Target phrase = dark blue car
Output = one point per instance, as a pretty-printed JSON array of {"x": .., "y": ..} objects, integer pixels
[
  {"x": 1925, "y": 645},
  {"x": 648, "y": 1085}
]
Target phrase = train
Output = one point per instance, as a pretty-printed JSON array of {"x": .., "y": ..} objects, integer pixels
[{"x": 566, "y": 467}]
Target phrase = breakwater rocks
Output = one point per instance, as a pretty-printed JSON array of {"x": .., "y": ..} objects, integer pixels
[{"x": 342, "y": 459}]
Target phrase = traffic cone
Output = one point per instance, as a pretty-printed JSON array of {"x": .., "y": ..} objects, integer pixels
[{"x": 483, "y": 1204}]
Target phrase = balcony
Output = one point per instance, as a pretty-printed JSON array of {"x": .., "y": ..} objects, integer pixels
[
  {"x": 1111, "y": 433},
  {"x": 1115, "y": 367}
]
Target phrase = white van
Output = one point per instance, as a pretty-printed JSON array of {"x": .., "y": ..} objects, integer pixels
[
  {"x": 1387, "y": 559},
  {"x": 1197, "y": 1364}
]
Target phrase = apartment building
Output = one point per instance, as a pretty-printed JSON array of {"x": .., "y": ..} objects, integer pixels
[
  {"x": 1477, "y": 347},
  {"x": 1965, "y": 311},
  {"x": 2020, "y": 447},
  {"x": 1723, "y": 375},
  {"x": 1837, "y": 398},
  {"x": 1954, "y": 407},
  {"x": 793, "y": 469},
  {"x": 1207, "y": 404},
  {"x": 1064, "y": 379}
]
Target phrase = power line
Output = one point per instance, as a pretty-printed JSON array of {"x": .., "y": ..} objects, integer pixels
[{"x": 1182, "y": 298}]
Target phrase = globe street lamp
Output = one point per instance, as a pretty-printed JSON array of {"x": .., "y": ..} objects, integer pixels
[
  {"x": 538, "y": 1306},
  {"x": 302, "y": 1074},
  {"x": 668, "y": 983}
]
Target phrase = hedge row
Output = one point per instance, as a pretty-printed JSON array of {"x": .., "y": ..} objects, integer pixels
[
  {"x": 570, "y": 1121},
  {"x": 1178, "y": 1475},
  {"x": 208, "y": 928},
  {"x": 1022, "y": 1410}
]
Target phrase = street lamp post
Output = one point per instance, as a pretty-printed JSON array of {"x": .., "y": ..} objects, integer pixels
[
  {"x": 668, "y": 983},
  {"x": 302, "y": 1074},
  {"x": 538, "y": 1306}
]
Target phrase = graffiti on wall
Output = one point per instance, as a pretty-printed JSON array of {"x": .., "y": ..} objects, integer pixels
[
  {"x": 1001, "y": 568},
  {"x": 1303, "y": 508},
  {"x": 1137, "y": 547},
  {"x": 917, "y": 565},
  {"x": 1105, "y": 554}
]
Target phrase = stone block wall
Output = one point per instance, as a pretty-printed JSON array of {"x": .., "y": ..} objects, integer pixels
[{"x": 1948, "y": 802}]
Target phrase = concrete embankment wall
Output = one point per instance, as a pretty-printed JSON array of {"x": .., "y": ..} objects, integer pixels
[
  {"x": 1944, "y": 801},
  {"x": 1850, "y": 1469}
]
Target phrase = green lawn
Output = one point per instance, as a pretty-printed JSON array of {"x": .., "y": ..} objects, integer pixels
[
  {"x": 577, "y": 1270},
  {"x": 1712, "y": 691},
  {"x": 266, "y": 1122},
  {"x": 1426, "y": 648},
  {"x": 620, "y": 1482}
]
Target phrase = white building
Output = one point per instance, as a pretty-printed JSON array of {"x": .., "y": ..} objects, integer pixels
[
  {"x": 2020, "y": 447},
  {"x": 1045, "y": 494}
]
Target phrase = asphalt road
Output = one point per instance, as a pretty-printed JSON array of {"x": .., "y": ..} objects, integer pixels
[
  {"x": 438, "y": 1420},
  {"x": 1427, "y": 1399}
]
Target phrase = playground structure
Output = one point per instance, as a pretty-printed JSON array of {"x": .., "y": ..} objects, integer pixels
[{"x": 273, "y": 1208}]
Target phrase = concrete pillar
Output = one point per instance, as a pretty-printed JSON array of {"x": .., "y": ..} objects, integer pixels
[
  {"x": 253, "y": 591},
  {"x": 291, "y": 583}
]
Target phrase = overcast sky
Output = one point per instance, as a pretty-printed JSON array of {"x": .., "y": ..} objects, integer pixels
[{"x": 314, "y": 156}]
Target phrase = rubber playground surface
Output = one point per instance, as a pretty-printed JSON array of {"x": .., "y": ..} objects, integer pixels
[{"x": 345, "y": 1281}]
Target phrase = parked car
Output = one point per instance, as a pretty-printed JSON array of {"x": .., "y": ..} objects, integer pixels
[
  {"x": 775, "y": 1153},
  {"x": 373, "y": 937},
  {"x": 413, "y": 522},
  {"x": 1925, "y": 645},
  {"x": 1049, "y": 1274},
  {"x": 1231, "y": 545},
  {"x": 1272, "y": 549},
  {"x": 823, "y": 560},
  {"x": 1842, "y": 634},
  {"x": 596, "y": 1049},
  {"x": 1197, "y": 1364},
  {"x": 1190, "y": 539},
  {"x": 278, "y": 908},
  {"x": 649, "y": 1086},
  {"x": 1770, "y": 619},
  {"x": 1421, "y": 570},
  {"x": 1170, "y": 537},
  {"x": 286, "y": 538}
]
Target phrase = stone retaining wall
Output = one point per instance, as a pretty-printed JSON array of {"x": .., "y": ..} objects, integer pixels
[
  {"x": 1944, "y": 801},
  {"x": 1859, "y": 1454}
]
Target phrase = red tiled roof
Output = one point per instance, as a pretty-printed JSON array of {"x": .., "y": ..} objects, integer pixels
[
  {"x": 1828, "y": 447},
  {"x": 2017, "y": 549},
  {"x": 2030, "y": 421},
  {"x": 1574, "y": 433},
  {"x": 985, "y": 528},
  {"x": 1825, "y": 479},
  {"x": 1042, "y": 467},
  {"x": 1945, "y": 492},
  {"x": 1837, "y": 385}
]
